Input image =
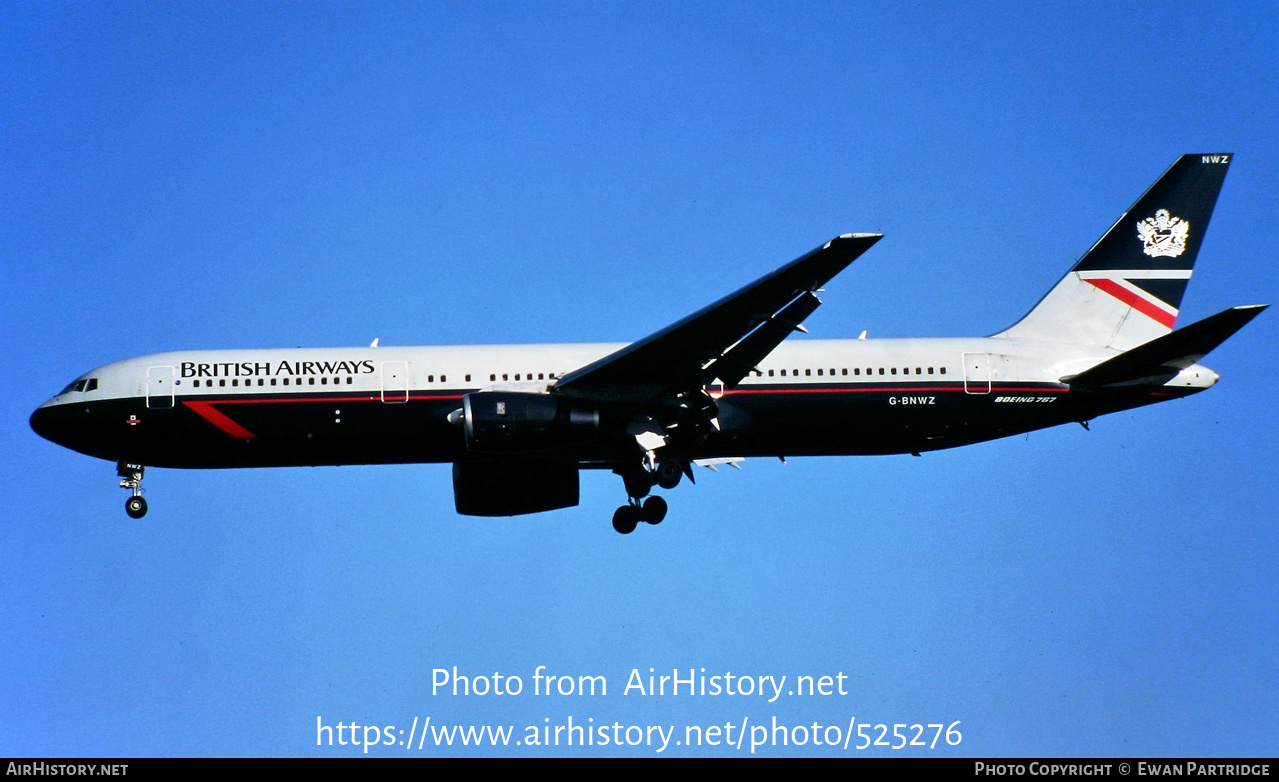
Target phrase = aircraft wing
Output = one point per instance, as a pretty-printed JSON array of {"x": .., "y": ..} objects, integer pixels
[{"x": 724, "y": 340}]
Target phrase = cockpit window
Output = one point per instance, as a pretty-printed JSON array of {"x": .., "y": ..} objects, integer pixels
[{"x": 85, "y": 384}]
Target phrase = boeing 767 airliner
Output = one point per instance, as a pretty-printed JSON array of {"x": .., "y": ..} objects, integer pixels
[{"x": 519, "y": 422}]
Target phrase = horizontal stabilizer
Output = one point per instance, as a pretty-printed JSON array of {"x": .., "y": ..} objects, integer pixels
[{"x": 1161, "y": 359}]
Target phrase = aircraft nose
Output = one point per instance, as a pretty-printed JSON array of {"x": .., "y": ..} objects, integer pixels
[
  {"x": 50, "y": 422},
  {"x": 41, "y": 423},
  {"x": 80, "y": 427}
]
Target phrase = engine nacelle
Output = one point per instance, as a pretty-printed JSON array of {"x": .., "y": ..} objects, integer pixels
[
  {"x": 513, "y": 422},
  {"x": 501, "y": 489}
]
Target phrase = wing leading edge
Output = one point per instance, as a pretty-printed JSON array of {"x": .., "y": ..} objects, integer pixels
[{"x": 724, "y": 340}]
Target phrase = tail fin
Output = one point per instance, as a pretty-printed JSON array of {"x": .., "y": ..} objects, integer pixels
[{"x": 1127, "y": 289}]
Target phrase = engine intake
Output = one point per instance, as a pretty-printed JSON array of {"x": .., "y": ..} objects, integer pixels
[{"x": 513, "y": 422}]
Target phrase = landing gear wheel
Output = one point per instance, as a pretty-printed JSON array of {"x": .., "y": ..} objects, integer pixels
[
  {"x": 625, "y": 518},
  {"x": 654, "y": 510},
  {"x": 638, "y": 483},
  {"x": 669, "y": 471},
  {"x": 131, "y": 478},
  {"x": 136, "y": 507}
]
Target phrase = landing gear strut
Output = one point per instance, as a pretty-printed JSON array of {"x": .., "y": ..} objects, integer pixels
[
  {"x": 131, "y": 478},
  {"x": 639, "y": 482}
]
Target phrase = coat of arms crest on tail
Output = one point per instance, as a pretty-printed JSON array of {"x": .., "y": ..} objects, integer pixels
[{"x": 1163, "y": 234}]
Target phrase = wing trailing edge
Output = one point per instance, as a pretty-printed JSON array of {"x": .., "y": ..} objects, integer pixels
[{"x": 725, "y": 339}]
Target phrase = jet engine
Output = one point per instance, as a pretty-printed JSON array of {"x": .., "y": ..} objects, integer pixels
[
  {"x": 513, "y": 422},
  {"x": 512, "y": 489}
]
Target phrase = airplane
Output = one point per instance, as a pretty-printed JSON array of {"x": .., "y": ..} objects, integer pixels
[{"x": 519, "y": 422}]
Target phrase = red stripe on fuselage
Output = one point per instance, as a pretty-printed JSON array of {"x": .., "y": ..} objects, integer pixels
[
  {"x": 208, "y": 412},
  {"x": 326, "y": 399},
  {"x": 1144, "y": 306},
  {"x": 895, "y": 390}
]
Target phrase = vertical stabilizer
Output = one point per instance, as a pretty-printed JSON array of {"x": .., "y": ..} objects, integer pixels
[{"x": 1127, "y": 289}]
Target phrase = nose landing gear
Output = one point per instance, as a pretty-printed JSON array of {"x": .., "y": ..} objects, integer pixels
[{"x": 131, "y": 478}]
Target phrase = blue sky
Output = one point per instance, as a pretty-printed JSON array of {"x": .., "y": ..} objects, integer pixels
[{"x": 275, "y": 175}]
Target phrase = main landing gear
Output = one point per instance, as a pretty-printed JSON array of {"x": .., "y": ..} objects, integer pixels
[
  {"x": 639, "y": 482},
  {"x": 131, "y": 478},
  {"x": 628, "y": 517}
]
